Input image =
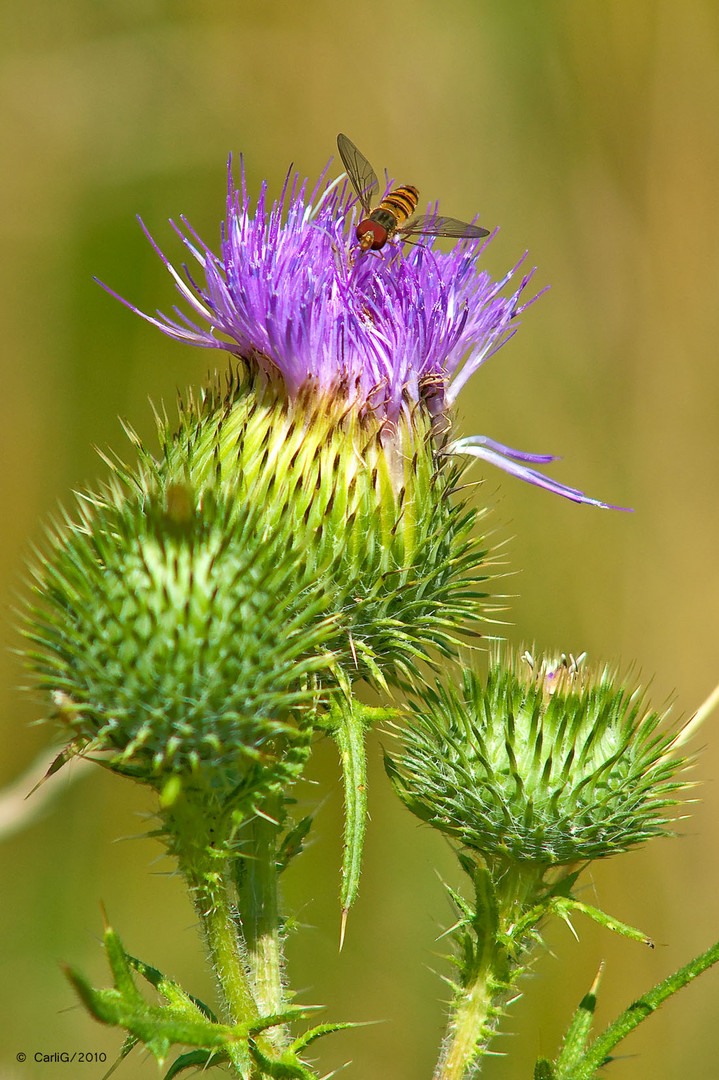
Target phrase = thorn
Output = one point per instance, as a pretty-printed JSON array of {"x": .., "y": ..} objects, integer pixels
[
  {"x": 695, "y": 721},
  {"x": 354, "y": 654},
  {"x": 451, "y": 929},
  {"x": 573, "y": 932},
  {"x": 343, "y": 926},
  {"x": 329, "y": 1075},
  {"x": 265, "y": 817},
  {"x": 597, "y": 979}
]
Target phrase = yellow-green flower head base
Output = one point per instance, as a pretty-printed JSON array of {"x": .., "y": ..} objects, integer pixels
[
  {"x": 364, "y": 506},
  {"x": 543, "y": 760}
]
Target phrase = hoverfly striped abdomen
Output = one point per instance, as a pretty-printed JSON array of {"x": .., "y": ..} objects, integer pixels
[
  {"x": 374, "y": 231},
  {"x": 393, "y": 213}
]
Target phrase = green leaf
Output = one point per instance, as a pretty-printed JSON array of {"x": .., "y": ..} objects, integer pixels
[
  {"x": 576, "y": 1062},
  {"x": 639, "y": 1010},
  {"x": 157, "y": 1027},
  {"x": 170, "y": 990},
  {"x": 198, "y": 1059},
  {"x": 348, "y": 722},
  {"x": 182, "y": 1020},
  {"x": 575, "y": 1040},
  {"x": 563, "y": 905},
  {"x": 288, "y": 1065},
  {"x": 293, "y": 843},
  {"x": 317, "y": 1032}
]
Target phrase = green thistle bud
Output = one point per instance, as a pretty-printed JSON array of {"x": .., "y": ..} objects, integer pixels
[
  {"x": 172, "y": 635},
  {"x": 544, "y": 762}
]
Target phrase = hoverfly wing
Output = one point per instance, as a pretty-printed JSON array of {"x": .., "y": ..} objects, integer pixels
[
  {"x": 361, "y": 174},
  {"x": 433, "y": 225}
]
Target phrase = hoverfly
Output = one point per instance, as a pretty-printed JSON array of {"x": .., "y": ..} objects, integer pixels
[{"x": 393, "y": 215}]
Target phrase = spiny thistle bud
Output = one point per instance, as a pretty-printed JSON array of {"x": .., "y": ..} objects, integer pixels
[
  {"x": 174, "y": 635},
  {"x": 541, "y": 761}
]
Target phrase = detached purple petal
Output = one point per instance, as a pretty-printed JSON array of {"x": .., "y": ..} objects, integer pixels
[
  {"x": 291, "y": 294},
  {"x": 505, "y": 458}
]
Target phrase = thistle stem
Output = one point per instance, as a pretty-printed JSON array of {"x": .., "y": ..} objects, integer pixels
[
  {"x": 470, "y": 1016},
  {"x": 492, "y": 961},
  {"x": 211, "y": 902},
  {"x": 197, "y": 842},
  {"x": 258, "y": 897},
  {"x": 209, "y": 895},
  {"x": 260, "y": 912}
]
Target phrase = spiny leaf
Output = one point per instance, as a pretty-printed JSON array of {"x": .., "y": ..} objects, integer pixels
[
  {"x": 293, "y": 843},
  {"x": 183, "y": 1020},
  {"x": 599, "y": 1051},
  {"x": 317, "y": 1032},
  {"x": 157, "y": 1027},
  {"x": 198, "y": 1059},
  {"x": 288, "y": 1065},
  {"x": 348, "y": 721},
  {"x": 564, "y": 905},
  {"x": 169, "y": 989},
  {"x": 575, "y": 1041}
]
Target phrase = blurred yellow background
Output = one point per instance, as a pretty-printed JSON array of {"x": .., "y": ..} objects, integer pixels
[{"x": 590, "y": 133}]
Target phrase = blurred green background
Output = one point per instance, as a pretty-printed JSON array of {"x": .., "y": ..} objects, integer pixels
[{"x": 590, "y": 132}]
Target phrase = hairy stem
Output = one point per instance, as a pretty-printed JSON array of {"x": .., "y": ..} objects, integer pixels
[
  {"x": 470, "y": 1017},
  {"x": 198, "y": 842},
  {"x": 218, "y": 923},
  {"x": 492, "y": 940},
  {"x": 257, "y": 890}
]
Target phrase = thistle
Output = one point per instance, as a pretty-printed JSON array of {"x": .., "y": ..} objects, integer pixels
[
  {"x": 533, "y": 771},
  {"x": 341, "y": 419},
  {"x": 200, "y": 616}
]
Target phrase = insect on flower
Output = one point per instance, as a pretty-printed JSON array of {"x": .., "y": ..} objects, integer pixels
[{"x": 393, "y": 216}]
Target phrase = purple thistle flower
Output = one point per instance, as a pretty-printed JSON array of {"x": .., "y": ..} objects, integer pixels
[{"x": 291, "y": 294}]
